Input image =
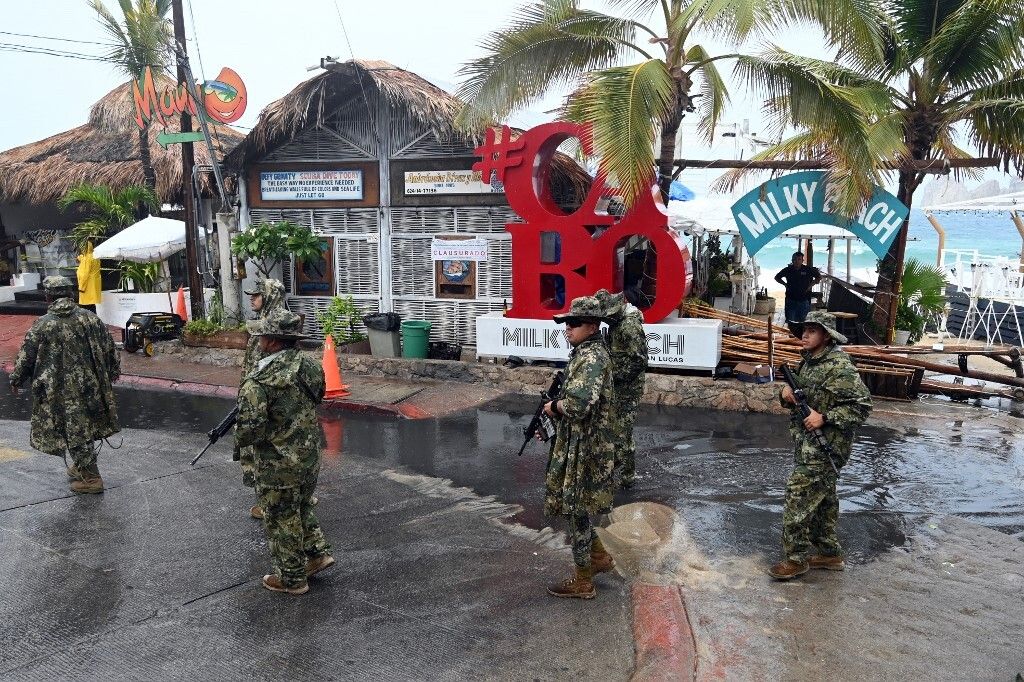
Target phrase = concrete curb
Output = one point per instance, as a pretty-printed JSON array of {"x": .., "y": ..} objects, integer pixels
[{"x": 665, "y": 645}]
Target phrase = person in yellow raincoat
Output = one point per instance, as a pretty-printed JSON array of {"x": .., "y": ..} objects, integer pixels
[{"x": 88, "y": 279}]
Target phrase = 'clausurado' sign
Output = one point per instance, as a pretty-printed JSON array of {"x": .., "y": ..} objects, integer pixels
[{"x": 799, "y": 199}]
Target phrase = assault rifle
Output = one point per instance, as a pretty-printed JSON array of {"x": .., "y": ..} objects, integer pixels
[
  {"x": 805, "y": 410},
  {"x": 541, "y": 424},
  {"x": 217, "y": 432}
]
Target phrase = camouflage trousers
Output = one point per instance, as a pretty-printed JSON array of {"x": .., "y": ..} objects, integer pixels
[
  {"x": 811, "y": 513},
  {"x": 581, "y": 537},
  {"x": 83, "y": 457},
  {"x": 623, "y": 420},
  {"x": 293, "y": 532}
]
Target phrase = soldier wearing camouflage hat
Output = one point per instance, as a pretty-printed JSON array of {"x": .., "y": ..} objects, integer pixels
[
  {"x": 266, "y": 296},
  {"x": 71, "y": 360},
  {"x": 277, "y": 419},
  {"x": 579, "y": 484},
  {"x": 627, "y": 345},
  {"x": 839, "y": 402}
]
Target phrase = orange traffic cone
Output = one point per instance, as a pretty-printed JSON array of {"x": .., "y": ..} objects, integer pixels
[
  {"x": 179, "y": 307},
  {"x": 332, "y": 375}
]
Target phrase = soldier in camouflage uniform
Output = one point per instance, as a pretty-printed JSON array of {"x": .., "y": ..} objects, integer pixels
[
  {"x": 579, "y": 481},
  {"x": 71, "y": 360},
  {"x": 839, "y": 402},
  {"x": 266, "y": 298},
  {"x": 277, "y": 419},
  {"x": 627, "y": 344}
]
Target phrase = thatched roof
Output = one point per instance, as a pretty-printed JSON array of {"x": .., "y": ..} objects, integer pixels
[
  {"x": 314, "y": 100},
  {"x": 104, "y": 151}
]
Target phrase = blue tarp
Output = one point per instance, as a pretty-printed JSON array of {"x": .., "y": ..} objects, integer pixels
[{"x": 680, "y": 192}]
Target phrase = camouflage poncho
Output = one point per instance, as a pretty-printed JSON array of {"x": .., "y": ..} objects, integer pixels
[
  {"x": 627, "y": 345},
  {"x": 277, "y": 418},
  {"x": 835, "y": 389},
  {"x": 72, "y": 361},
  {"x": 579, "y": 473}
]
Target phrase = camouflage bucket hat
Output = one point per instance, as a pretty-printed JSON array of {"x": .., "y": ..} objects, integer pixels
[
  {"x": 282, "y": 325},
  {"x": 826, "y": 321},
  {"x": 263, "y": 287},
  {"x": 614, "y": 304},
  {"x": 57, "y": 283},
  {"x": 584, "y": 308}
]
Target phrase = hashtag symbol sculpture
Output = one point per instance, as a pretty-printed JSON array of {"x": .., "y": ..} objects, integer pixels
[{"x": 497, "y": 156}]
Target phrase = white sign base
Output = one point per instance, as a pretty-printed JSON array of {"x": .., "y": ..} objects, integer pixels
[{"x": 682, "y": 343}]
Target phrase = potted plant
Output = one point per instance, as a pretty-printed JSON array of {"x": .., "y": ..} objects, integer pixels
[
  {"x": 339, "y": 323},
  {"x": 217, "y": 330},
  {"x": 922, "y": 295},
  {"x": 267, "y": 244}
]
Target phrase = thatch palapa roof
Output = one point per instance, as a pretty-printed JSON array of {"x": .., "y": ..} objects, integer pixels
[
  {"x": 104, "y": 151},
  {"x": 316, "y": 99}
]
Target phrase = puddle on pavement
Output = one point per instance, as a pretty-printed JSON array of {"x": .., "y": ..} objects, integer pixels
[{"x": 725, "y": 473}]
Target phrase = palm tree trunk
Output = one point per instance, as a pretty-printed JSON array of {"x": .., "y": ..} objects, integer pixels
[
  {"x": 890, "y": 270},
  {"x": 666, "y": 161},
  {"x": 148, "y": 172}
]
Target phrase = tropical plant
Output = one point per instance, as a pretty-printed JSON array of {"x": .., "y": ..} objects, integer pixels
[
  {"x": 109, "y": 211},
  {"x": 266, "y": 244},
  {"x": 948, "y": 69},
  {"x": 339, "y": 320},
  {"x": 143, "y": 39},
  {"x": 143, "y": 275},
  {"x": 922, "y": 296},
  {"x": 629, "y": 77}
]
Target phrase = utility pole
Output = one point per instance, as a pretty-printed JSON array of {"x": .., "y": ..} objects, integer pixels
[{"x": 195, "y": 282}]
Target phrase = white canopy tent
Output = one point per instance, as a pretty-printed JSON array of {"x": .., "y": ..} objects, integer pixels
[{"x": 150, "y": 240}]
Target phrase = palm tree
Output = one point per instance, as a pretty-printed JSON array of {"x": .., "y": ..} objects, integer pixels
[
  {"x": 630, "y": 78},
  {"x": 143, "y": 40},
  {"x": 109, "y": 212},
  {"x": 949, "y": 68}
]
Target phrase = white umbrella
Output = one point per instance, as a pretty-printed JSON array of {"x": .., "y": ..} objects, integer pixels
[{"x": 150, "y": 240}]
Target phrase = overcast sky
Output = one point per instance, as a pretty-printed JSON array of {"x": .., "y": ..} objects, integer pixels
[{"x": 270, "y": 43}]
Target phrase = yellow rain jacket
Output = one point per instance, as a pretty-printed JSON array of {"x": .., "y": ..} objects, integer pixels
[{"x": 88, "y": 278}]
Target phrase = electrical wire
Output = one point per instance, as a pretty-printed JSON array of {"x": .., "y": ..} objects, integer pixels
[
  {"x": 52, "y": 52},
  {"x": 65, "y": 40},
  {"x": 359, "y": 75},
  {"x": 202, "y": 71}
]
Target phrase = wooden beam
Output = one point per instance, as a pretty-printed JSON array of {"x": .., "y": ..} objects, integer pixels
[{"x": 936, "y": 166}]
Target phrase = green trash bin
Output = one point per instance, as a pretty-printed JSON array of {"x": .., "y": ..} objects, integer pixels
[{"x": 415, "y": 338}]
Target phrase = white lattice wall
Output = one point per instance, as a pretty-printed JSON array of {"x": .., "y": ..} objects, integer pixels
[{"x": 451, "y": 320}]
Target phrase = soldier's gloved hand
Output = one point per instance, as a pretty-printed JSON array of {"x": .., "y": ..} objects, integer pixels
[{"x": 814, "y": 420}]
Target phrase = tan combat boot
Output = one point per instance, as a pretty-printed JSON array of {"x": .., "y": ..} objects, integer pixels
[
  {"x": 828, "y": 563},
  {"x": 579, "y": 586},
  {"x": 600, "y": 560},
  {"x": 787, "y": 570},
  {"x": 88, "y": 486},
  {"x": 274, "y": 584},
  {"x": 317, "y": 564},
  {"x": 74, "y": 474},
  {"x": 256, "y": 511}
]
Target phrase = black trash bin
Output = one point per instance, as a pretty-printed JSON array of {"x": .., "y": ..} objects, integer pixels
[{"x": 383, "y": 330}]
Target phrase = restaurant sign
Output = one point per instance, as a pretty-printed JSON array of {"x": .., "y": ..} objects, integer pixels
[
  {"x": 673, "y": 342},
  {"x": 450, "y": 182},
  {"x": 798, "y": 199},
  {"x": 311, "y": 185}
]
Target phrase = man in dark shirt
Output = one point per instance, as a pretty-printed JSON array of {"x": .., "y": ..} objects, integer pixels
[{"x": 798, "y": 279}]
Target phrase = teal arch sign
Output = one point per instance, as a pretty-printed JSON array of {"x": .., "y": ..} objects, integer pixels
[{"x": 799, "y": 199}]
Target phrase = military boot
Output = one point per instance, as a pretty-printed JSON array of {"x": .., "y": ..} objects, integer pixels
[
  {"x": 317, "y": 564},
  {"x": 829, "y": 563},
  {"x": 600, "y": 560},
  {"x": 74, "y": 474},
  {"x": 88, "y": 486},
  {"x": 256, "y": 511},
  {"x": 579, "y": 586},
  {"x": 787, "y": 570},
  {"x": 274, "y": 584}
]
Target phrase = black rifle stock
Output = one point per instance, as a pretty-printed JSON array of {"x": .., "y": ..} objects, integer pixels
[
  {"x": 541, "y": 423},
  {"x": 805, "y": 411},
  {"x": 217, "y": 432}
]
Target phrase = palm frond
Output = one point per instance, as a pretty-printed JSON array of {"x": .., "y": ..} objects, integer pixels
[
  {"x": 548, "y": 43},
  {"x": 622, "y": 104},
  {"x": 977, "y": 43},
  {"x": 714, "y": 95},
  {"x": 997, "y": 129},
  {"x": 859, "y": 26}
]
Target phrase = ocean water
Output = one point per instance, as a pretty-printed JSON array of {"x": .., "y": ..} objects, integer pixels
[{"x": 990, "y": 234}]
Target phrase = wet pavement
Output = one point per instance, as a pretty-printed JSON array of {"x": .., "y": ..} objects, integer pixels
[{"x": 169, "y": 562}]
